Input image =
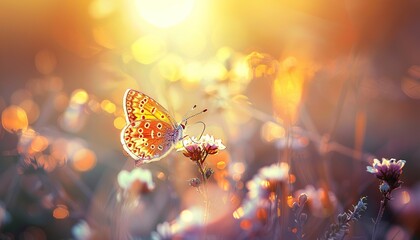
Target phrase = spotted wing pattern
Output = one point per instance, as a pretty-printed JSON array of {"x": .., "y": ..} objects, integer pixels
[
  {"x": 150, "y": 132},
  {"x": 139, "y": 106},
  {"x": 148, "y": 140}
]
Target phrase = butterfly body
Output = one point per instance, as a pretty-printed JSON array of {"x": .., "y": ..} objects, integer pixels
[{"x": 151, "y": 132}]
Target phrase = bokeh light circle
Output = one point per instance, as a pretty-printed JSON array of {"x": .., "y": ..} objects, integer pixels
[
  {"x": 84, "y": 160},
  {"x": 14, "y": 118}
]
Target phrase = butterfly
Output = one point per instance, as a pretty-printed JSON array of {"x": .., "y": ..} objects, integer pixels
[{"x": 151, "y": 132}]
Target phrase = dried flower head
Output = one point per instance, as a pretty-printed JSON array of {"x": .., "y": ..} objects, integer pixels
[
  {"x": 389, "y": 171},
  {"x": 340, "y": 229}
]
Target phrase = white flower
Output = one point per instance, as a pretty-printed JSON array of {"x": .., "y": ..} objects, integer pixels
[
  {"x": 275, "y": 172},
  {"x": 260, "y": 187},
  {"x": 187, "y": 219},
  {"x": 205, "y": 140},
  {"x": 126, "y": 179},
  {"x": 254, "y": 187},
  {"x": 210, "y": 140}
]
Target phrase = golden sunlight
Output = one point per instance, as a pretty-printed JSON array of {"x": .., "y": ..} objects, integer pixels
[
  {"x": 14, "y": 118},
  {"x": 79, "y": 96},
  {"x": 287, "y": 90},
  {"x": 119, "y": 122},
  {"x": 148, "y": 49},
  {"x": 188, "y": 119},
  {"x": 84, "y": 160},
  {"x": 271, "y": 131},
  {"x": 164, "y": 13},
  {"x": 108, "y": 106}
]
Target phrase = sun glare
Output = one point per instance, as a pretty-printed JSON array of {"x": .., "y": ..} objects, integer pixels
[{"x": 165, "y": 13}]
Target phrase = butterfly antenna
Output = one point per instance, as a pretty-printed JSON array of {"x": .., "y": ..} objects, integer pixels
[
  {"x": 201, "y": 134},
  {"x": 184, "y": 121},
  {"x": 204, "y": 128},
  {"x": 191, "y": 116},
  {"x": 189, "y": 112}
]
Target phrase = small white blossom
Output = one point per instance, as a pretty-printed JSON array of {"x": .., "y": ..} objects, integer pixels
[
  {"x": 275, "y": 172},
  {"x": 186, "y": 220},
  {"x": 204, "y": 140},
  {"x": 126, "y": 178},
  {"x": 260, "y": 187}
]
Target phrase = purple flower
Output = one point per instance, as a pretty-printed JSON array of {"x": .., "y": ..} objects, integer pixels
[
  {"x": 211, "y": 145},
  {"x": 197, "y": 149},
  {"x": 193, "y": 152},
  {"x": 389, "y": 171}
]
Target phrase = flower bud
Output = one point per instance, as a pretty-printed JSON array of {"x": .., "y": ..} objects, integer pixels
[
  {"x": 384, "y": 187},
  {"x": 302, "y": 199},
  {"x": 194, "y": 182},
  {"x": 209, "y": 172}
]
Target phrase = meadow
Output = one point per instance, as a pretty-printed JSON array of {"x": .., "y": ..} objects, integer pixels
[{"x": 245, "y": 119}]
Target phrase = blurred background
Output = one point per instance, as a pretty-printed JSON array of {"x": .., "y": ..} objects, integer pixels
[{"x": 341, "y": 79}]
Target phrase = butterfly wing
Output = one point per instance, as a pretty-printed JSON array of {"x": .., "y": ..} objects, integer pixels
[
  {"x": 139, "y": 106},
  {"x": 150, "y": 131},
  {"x": 148, "y": 140}
]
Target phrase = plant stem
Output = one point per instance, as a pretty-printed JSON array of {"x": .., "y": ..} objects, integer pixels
[
  {"x": 206, "y": 200},
  {"x": 380, "y": 213},
  {"x": 282, "y": 190}
]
